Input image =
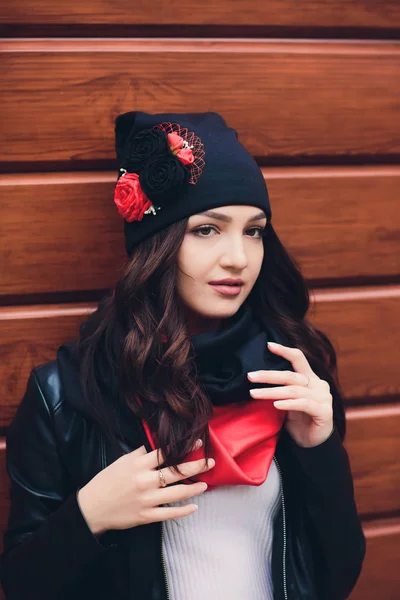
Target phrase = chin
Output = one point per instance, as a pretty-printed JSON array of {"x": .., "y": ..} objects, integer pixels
[{"x": 223, "y": 311}]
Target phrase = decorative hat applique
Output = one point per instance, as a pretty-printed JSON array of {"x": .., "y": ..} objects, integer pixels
[{"x": 159, "y": 163}]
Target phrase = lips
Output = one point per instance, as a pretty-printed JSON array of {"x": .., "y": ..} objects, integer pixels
[
  {"x": 230, "y": 282},
  {"x": 227, "y": 289}
]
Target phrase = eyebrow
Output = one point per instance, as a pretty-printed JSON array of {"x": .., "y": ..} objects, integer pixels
[{"x": 226, "y": 219}]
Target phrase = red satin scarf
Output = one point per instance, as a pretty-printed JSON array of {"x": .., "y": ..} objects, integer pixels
[{"x": 243, "y": 439}]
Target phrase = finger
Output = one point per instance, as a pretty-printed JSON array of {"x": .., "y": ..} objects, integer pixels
[
  {"x": 141, "y": 451},
  {"x": 295, "y": 356},
  {"x": 188, "y": 469},
  {"x": 156, "y": 457},
  {"x": 153, "y": 459},
  {"x": 284, "y": 393},
  {"x": 281, "y": 377},
  {"x": 162, "y": 513},
  {"x": 310, "y": 407},
  {"x": 176, "y": 493}
]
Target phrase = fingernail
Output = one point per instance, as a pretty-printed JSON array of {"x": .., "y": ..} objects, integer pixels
[
  {"x": 251, "y": 373},
  {"x": 273, "y": 344},
  {"x": 211, "y": 462},
  {"x": 197, "y": 444}
]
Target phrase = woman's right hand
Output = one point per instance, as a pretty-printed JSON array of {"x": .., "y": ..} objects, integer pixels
[{"x": 128, "y": 493}]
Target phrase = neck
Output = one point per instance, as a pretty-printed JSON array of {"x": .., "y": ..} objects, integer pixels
[{"x": 198, "y": 324}]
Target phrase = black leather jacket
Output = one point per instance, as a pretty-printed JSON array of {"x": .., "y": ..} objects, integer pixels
[{"x": 54, "y": 448}]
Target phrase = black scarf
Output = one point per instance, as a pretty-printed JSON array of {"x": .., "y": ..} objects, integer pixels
[{"x": 224, "y": 357}]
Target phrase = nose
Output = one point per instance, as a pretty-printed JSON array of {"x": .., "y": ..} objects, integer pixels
[{"x": 234, "y": 254}]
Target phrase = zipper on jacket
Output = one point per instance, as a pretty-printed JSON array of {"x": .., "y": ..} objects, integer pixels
[
  {"x": 163, "y": 563},
  {"x": 284, "y": 530}
]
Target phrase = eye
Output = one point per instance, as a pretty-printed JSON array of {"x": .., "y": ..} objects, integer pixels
[
  {"x": 259, "y": 231},
  {"x": 203, "y": 229}
]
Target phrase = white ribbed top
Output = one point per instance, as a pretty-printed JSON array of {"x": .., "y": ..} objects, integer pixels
[{"x": 223, "y": 550}]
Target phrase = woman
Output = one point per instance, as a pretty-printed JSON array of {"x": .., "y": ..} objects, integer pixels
[{"x": 189, "y": 446}]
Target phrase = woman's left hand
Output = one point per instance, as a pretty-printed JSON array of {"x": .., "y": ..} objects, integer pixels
[{"x": 305, "y": 396}]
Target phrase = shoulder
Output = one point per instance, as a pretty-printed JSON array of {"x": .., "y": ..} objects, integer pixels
[
  {"x": 48, "y": 381},
  {"x": 42, "y": 413},
  {"x": 57, "y": 382}
]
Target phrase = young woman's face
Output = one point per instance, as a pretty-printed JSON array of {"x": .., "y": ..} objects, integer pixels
[{"x": 222, "y": 243}]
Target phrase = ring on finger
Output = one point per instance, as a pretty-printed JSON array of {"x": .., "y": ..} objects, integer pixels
[{"x": 163, "y": 483}]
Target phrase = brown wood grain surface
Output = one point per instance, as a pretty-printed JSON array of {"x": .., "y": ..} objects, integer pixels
[
  {"x": 373, "y": 444},
  {"x": 364, "y": 326},
  {"x": 292, "y": 99},
  {"x": 327, "y": 13},
  {"x": 380, "y": 574},
  {"x": 339, "y": 223},
  {"x": 66, "y": 217},
  {"x": 29, "y": 337}
]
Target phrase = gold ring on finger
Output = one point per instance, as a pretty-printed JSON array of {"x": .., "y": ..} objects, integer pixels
[{"x": 163, "y": 483}]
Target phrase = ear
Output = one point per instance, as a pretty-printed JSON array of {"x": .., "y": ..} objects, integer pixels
[{"x": 123, "y": 126}]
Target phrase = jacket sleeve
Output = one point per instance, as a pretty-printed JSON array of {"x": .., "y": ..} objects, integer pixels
[
  {"x": 47, "y": 543},
  {"x": 337, "y": 539}
]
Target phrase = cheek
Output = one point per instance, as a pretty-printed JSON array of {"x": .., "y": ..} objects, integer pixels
[
  {"x": 186, "y": 258},
  {"x": 193, "y": 260},
  {"x": 189, "y": 268},
  {"x": 255, "y": 259}
]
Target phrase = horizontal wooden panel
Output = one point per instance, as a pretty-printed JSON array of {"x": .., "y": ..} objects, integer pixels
[
  {"x": 380, "y": 574},
  {"x": 30, "y": 337},
  {"x": 360, "y": 13},
  {"x": 312, "y": 209},
  {"x": 292, "y": 99},
  {"x": 338, "y": 222},
  {"x": 362, "y": 326},
  {"x": 373, "y": 444},
  {"x": 69, "y": 225}
]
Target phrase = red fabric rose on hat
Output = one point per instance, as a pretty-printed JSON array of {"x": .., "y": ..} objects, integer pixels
[
  {"x": 130, "y": 199},
  {"x": 180, "y": 148}
]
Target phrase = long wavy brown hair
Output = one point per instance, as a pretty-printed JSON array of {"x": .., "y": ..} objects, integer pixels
[{"x": 139, "y": 336}]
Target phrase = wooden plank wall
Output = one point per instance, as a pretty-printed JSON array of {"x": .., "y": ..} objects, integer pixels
[{"x": 313, "y": 89}]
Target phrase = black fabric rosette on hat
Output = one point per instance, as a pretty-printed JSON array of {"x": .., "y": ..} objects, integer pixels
[
  {"x": 161, "y": 173},
  {"x": 162, "y": 177},
  {"x": 142, "y": 147}
]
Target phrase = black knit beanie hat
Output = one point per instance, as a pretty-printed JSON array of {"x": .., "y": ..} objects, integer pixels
[{"x": 174, "y": 165}]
